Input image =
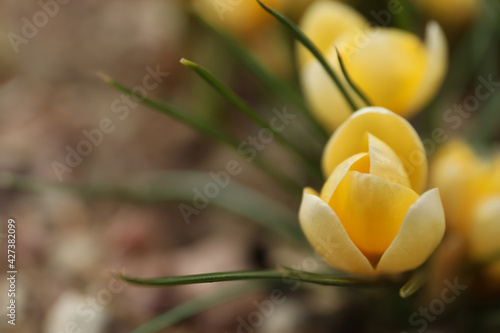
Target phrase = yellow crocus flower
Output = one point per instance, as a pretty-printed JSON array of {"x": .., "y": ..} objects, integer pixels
[
  {"x": 392, "y": 67},
  {"x": 485, "y": 233},
  {"x": 470, "y": 188},
  {"x": 244, "y": 17},
  {"x": 390, "y": 128},
  {"x": 369, "y": 218},
  {"x": 238, "y": 17}
]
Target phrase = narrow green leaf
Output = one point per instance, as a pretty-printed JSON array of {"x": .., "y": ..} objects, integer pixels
[
  {"x": 225, "y": 91},
  {"x": 183, "y": 117},
  {"x": 304, "y": 40},
  {"x": 311, "y": 167},
  {"x": 283, "y": 275},
  {"x": 197, "y": 305},
  {"x": 178, "y": 186},
  {"x": 208, "y": 130},
  {"x": 408, "y": 17},
  {"x": 351, "y": 83},
  {"x": 288, "y": 92}
]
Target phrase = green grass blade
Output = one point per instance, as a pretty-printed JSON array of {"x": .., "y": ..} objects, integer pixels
[
  {"x": 195, "y": 306},
  {"x": 183, "y": 117},
  {"x": 288, "y": 92},
  {"x": 225, "y": 92},
  {"x": 277, "y": 275},
  {"x": 177, "y": 186},
  {"x": 299, "y": 35},
  {"x": 408, "y": 18},
  {"x": 284, "y": 180},
  {"x": 351, "y": 83},
  {"x": 172, "y": 112},
  {"x": 312, "y": 168}
]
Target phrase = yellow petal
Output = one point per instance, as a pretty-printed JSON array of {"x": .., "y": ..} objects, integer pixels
[
  {"x": 236, "y": 17},
  {"x": 489, "y": 180},
  {"x": 325, "y": 99},
  {"x": 385, "y": 163},
  {"x": 323, "y": 22},
  {"x": 371, "y": 209},
  {"x": 387, "y": 64},
  {"x": 485, "y": 231},
  {"x": 328, "y": 237},
  {"x": 312, "y": 191},
  {"x": 455, "y": 170},
  {"x": 420, "y": 233},
  {"x": 455, "y": 152},
  {"x": 435, "y": 70},
  {"x": 350, "y": 139},
  {"x": 359, "y": 162},
  {"x": 380, "y": 161},
  {"x": 452, "y": 14}
]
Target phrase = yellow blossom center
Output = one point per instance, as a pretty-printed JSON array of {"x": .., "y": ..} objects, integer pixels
[{"x": 372, "y": 198}]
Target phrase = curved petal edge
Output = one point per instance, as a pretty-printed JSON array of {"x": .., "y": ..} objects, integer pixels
[
  {"x": 421, "y": 232},
  {"x": 328, "y": 237}
]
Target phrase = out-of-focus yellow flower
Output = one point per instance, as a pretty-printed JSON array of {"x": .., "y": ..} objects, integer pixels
[
  {"x": 453, "y": 15},
  {"x": 470, "y": 188},
  {"x": 368, "y": 218},
  {"x": 485, "y": 230},
  {"x": 247, "y": 21},
  {"x": 465, "y": 181},
  {"x": 392, "y": 67},
  {"x": 243, "y": 17},
  {"x": 395, "y": 131},
  {"x": 239, "y": 17}
]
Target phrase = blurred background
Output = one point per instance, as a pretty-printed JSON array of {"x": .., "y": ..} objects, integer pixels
[{"x": 69, "y": 243}]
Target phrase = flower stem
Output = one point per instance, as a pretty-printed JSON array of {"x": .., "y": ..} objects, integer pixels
[
  {"x": 312, "y": 168},
  {"x": 275, "y": 275},
  {"x": 304, "y": 40},
  {"x": 209, "y": 131}
]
